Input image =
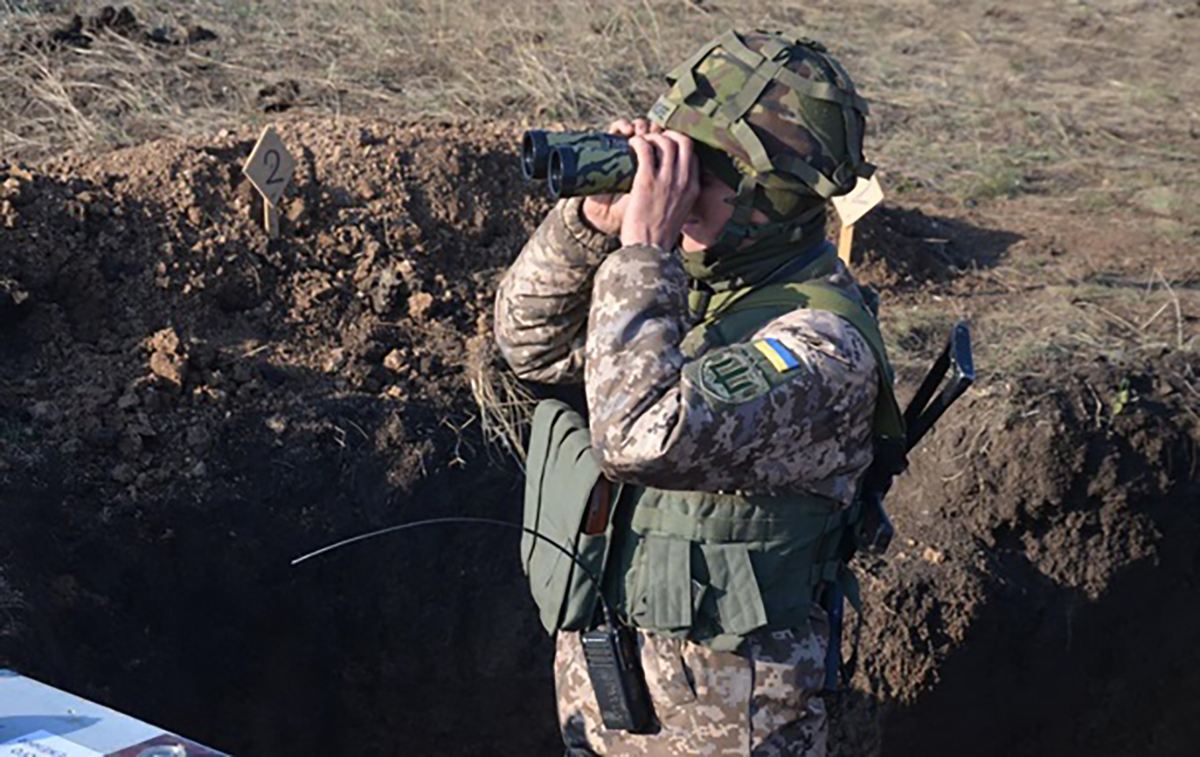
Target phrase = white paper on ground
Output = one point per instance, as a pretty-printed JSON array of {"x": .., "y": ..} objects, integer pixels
[{"x": 44, "y": 744}]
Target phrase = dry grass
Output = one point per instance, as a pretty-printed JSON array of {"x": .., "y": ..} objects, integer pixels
[
  {"x": 505, "y": 405},
  {"x": 1092, "y": 101},
  {"x": 1046, "y": 327},
  {"x": 1066, "y": 324}
]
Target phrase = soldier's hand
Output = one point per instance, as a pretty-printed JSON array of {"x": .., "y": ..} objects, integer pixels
[
  {"x": 604, "y": 212},
  {"x": 664, "y": 190}
]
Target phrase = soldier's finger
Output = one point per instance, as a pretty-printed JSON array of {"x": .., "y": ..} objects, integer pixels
[
  {"x": 621, "y": 127},
  {"x": 693, "y": 177},
  {"x": 685, "y": 160},
  {"x": 641, "y": 126},
  {"x": 644, "y": 178},
  {"x": 667, "y": 155}
]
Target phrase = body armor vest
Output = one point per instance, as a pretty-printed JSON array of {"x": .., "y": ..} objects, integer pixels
[{"x": 708, "y": 566}]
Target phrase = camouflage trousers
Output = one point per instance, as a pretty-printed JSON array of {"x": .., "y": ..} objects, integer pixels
[{"x": 761, "y": 701}]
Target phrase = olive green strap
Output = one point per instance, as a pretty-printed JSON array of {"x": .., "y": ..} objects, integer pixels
[
  {"x": 846, "y": 174},
  {"x": 732, "y": 44},
  {"x": 819, "y": 183},
  {"x": 889, "y": 423},
  {"x": 767, "y": 67},
  {"x": 818, "y": 295},
  {"x": 760, "y": 78},
  {"x": 683, "y": 75},
  {"x": 805, "y": 511},
  {"x": 744, "y": 133},
  {"x": 739, "y": 602},
  {"x": 819, "y": 90}
]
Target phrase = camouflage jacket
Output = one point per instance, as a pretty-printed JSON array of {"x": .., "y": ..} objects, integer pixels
[{"x": 574, "y": 306}]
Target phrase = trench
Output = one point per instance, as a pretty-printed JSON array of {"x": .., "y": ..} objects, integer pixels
[
  {"x": 148, "y": 526},
  {"x": 426, "y": 642},
  {"x": 417, "y": 643}
]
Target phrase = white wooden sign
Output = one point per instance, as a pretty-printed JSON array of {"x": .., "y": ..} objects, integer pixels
[
  {"x": 269, "y": 168},
  {"x": 859, "y": 201},
  {"x": 853, "y": 206}
]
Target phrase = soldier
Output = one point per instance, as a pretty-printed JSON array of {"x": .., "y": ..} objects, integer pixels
[{"x": 730, "y": 391}]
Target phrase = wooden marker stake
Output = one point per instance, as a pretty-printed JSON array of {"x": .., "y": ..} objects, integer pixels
[
  {"x": 845, "y": 242},
  {"x": 270, "y": 219},
  {"x": 269, "y": 169}
]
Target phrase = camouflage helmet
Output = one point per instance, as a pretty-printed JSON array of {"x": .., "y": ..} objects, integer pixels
[{"x": 775, "y": 118}]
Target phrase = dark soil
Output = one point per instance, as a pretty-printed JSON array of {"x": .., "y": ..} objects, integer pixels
[
  {"x": 186, "y": 406},
  {"x": 1039, "y": 599}
]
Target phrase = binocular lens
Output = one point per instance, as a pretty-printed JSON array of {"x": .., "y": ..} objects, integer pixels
[
  {"x": 537, "y": 144},
  {"x": 560, "y": 175},
  {"x": 535, "y": 151}
]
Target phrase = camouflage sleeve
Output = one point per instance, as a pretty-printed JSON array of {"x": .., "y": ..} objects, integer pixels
[
  {"x": 790, "y": 409},
  {"x": 542, "y": 301}
]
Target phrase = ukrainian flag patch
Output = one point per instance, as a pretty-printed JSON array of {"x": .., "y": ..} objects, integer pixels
[{"x": 780, "y": 357}]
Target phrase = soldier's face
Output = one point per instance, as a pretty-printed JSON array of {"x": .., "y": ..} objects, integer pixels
[{"x": 711, "y": 210}]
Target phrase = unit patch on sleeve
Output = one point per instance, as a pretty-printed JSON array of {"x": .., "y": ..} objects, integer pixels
[
  {"x": 741, "y": 372},
  {"x": 730, "y": 376}
]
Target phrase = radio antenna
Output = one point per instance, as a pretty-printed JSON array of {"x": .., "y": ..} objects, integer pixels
[{"x": 466, "y": 520}]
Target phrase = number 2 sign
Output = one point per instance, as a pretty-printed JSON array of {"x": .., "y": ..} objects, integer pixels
[{"x": 269, "y": 169}]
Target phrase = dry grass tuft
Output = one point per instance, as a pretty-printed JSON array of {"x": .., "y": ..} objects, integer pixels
[
  {"x": 1040, "y": 329},
  {"x": 505, "y": 404}
]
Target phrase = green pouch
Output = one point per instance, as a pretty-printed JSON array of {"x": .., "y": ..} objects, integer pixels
[{"x": 560, "y": 475}]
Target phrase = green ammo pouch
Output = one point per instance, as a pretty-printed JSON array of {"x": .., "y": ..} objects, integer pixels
[{"x": 561, "y": 473}]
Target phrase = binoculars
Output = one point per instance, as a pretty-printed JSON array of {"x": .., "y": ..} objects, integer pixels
[{"x": 578, "y": 163}]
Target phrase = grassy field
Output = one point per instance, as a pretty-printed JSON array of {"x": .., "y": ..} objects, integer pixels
[{"x": 1091, "y": 102}]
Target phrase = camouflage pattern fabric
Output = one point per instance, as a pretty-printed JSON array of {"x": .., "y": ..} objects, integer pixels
[
  {"x": 657, "y": 420},
  {"x": 538, "y": 144},
  {"x": 657, "y": 417},
  {"x": 800, "y": 135},
  {"x": 572, "y": 306},
  {"x": 761, "y": 701},
  {"x": 542, "y": 301},
  {"x": 591, "y": 169},
  {"x": 785, "y": 119}
]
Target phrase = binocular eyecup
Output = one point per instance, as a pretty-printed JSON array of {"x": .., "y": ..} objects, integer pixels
[
  {"x": 535, "y": 154},
  {"x": 563, "y": 173}
]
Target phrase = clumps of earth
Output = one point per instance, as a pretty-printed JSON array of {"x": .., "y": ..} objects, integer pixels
[
  {"x": 81, "y": 32},
  {"x": 147, "y": 273},
  {"x": 186, "y": 406}
]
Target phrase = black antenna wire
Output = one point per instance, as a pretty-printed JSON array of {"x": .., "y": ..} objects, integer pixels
[{"x": 461, "y": 520}]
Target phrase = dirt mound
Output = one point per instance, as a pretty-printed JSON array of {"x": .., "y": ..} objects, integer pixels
[
  {"x": 904, "y": 248},
  {"x": 188, "y": 404},
  {"x": 185, "y": 406},
  {"x": 144, "y": 273},
  {"x": 1039, "y": 600}
]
